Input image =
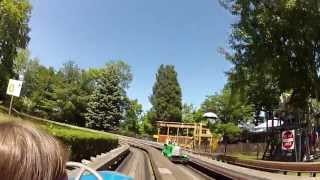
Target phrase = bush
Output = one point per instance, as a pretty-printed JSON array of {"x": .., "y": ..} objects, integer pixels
[
  {"x": 85, "y": 147},
  {"x": 82, "y": 142}
]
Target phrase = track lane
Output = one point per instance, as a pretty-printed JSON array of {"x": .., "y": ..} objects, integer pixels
[
  {"x": 137, "y": 165},
  {"x": 193, "y": 173}
]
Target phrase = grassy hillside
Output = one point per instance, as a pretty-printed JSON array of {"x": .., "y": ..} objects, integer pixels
[{"x": 82, "y": 142}]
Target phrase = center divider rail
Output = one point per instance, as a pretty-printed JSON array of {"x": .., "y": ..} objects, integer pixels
[{"x": 105, "y": 161}]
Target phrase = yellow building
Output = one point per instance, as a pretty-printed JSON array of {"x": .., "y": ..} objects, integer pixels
[{"x": 188, "y": 135}]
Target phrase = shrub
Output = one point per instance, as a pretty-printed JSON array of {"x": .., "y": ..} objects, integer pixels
[{"x": 82, "y": 142}]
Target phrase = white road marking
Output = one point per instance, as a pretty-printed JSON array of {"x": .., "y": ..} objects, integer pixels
[{"x": 164, "y": 171}]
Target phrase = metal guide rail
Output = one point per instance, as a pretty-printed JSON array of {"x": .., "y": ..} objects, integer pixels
[
  {"x": 104, "y": 161},
  {"x": 228, "y": 171},
  {"x": 313, "y": 168}
]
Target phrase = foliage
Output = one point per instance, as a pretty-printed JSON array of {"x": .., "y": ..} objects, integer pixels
[
  {"x": 133, "y": 117},
  {"x": 64, "y": 95},
  {"x": 109, "y": 102},
  {"x": 229, "y": 130},
  {"x": 166, "y": 96},
  {"x": 228, "y": 106},
  {"x": 14, "y": 29},
  {"x": 21, "y": 61},
  {"x": 188, "y": 113},
  {"x": 276, "y": 49},
  {"x": 67, "y": 101},
  {"x": 82, "y": 143}
]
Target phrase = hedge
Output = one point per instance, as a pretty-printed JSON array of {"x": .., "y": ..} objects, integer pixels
[{"x": 82, "y": 143}]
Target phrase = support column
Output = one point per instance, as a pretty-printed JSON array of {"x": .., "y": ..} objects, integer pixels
[
  {"x": 168, "y": 133},
  {"x": 158, "y": 135},
  {"x": 200, "y": 134},
  {"x": 177, "y": 136},
  {"x": 10, "y": 108},
  {"x": 211, "y": 144}
]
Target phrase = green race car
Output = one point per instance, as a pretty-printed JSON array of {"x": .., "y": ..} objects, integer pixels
[{"x": 173, "y": 152}]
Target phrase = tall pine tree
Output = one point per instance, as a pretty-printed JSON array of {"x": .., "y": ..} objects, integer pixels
[
  {"x": 108, "y": 102},
  {"x": 166, "y": 97}
]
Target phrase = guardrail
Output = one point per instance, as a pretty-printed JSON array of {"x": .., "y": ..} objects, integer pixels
[
  {"x": 274, "y": 166},
  {"x": 104, "y": 161},
  {"x": 220, "y": 170}
]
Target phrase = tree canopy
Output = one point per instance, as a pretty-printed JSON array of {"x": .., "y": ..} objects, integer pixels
[
  {"x": 108, "y": 103},
  {"x": 14, "y": 29},
  {"x": 134, "y": 117},
  {"x": 276, "y": 49},
  {"x": 229, "y": 107},
  {"x": 166, "y": 96}
]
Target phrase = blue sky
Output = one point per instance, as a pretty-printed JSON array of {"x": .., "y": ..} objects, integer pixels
[{"x": 144, "y": 33}]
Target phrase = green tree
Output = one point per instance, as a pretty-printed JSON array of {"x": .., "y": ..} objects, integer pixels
[
  {"x": 276, "y": 49},
  {"x": 14, "y": 31},
  {"x": 134, "y": 117},
  {"x": 146, "y": 126},
  {"x": 227, "y": 129},
  {"x": 229, "y": 107},
  {"x": 188, "y": 113},
  {"x": 109, "y": 102},
  {"x": 166, "y": 97},
  {"x": 21, "y": 61},
  {"x": 70, "y": 95}
]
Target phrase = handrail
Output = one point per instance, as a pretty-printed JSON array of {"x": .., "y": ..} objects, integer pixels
[
  {"x": 274, "y": 166},
  {"x": 83, "y": 169}
]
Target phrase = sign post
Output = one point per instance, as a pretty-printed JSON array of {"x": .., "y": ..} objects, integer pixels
[{"x": 14, "y": 89}]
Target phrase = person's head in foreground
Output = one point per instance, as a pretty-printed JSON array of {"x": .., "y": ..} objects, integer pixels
[{"x": 27, "y": 153}]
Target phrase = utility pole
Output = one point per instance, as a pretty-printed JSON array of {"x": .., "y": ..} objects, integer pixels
[{"x": 10, "y": 108}]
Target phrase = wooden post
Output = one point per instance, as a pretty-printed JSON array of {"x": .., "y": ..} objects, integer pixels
[
  {"x": 200, "y": 134},
  {"x": 168, "y": 133},
  {"x": 10, "y": 108},
  {"x": 177, "y": 135},
  {"x": 158, "y": 135},
  {"x": 186, "y": 142},
  {"x": 210, "y": 146}
]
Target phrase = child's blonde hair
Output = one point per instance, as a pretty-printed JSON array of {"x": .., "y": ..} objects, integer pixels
[{"x": 27, "y": 153}]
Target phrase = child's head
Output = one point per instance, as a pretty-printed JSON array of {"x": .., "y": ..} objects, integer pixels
[{"x": 27, "y": 153}]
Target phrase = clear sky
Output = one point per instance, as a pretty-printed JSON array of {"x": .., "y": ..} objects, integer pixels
[{"x": 144, "y": 33}]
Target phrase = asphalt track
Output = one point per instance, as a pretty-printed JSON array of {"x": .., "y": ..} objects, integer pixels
[
  {"x": 193, "y": 173},
  {"x": 137, "y": 165}
]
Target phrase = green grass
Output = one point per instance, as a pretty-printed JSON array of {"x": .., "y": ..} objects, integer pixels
[
  {"x": 60, "y": 130},
  {"x": 252, "y": 156}
]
